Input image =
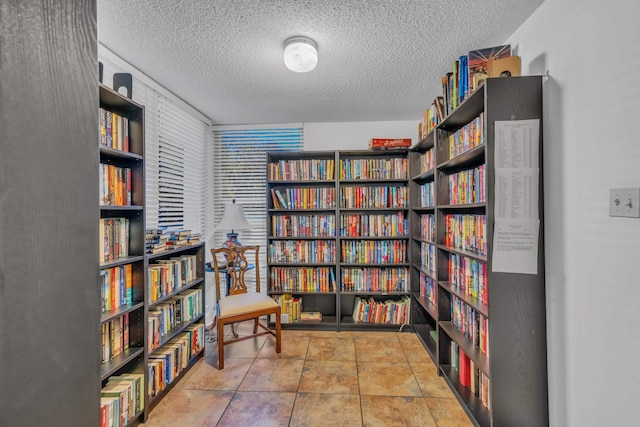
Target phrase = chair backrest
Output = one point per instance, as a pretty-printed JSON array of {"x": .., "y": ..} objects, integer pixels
[{"x": 232, "y": 263}]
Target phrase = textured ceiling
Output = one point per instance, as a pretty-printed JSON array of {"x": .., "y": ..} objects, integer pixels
[{"x": 378, "y": 59}]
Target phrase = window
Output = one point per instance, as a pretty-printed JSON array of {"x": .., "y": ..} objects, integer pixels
[{"x": 239, "y": 159}]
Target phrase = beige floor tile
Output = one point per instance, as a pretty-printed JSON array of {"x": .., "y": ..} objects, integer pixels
[
  {"x": 207, "y": 376},
  {"x": 330, "y": 410},
  {"x": 243, "y": 349},
  {"x": 448, "y": 413},
  {"x": 388, "y": 379},
  {"x": 292, "y": 347},
  {"x": 374, "y": 349},
  {"x": 259, "y": 409},
  {"x": 430, "y": 383},
  {"x": 329, "y": 376},
  {"x": 190, "y": 408},
  {"x": 329, "y": 348},
  {"x": 415, "y": 351},
  {"x": 384, "y": 411},
  {"x": 273, "y": 375}
]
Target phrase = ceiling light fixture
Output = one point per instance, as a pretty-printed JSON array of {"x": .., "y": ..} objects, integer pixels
[{"x": 300, "y": 54}]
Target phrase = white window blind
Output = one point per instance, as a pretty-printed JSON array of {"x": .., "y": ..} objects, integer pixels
[
  {"x": 240, "y": 159},
  {"x": 176, "y": 140}
]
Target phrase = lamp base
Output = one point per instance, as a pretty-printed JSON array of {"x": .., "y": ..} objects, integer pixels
[{"x": 232, "y": 240}]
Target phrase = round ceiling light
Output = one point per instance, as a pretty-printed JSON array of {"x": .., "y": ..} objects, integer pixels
[{"x": 300, "y": 54}]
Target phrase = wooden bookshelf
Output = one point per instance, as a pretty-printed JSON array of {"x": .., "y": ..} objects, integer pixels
[
  {"x": 514, "y": 302},
  {"x": 191, "y": 282},
  {"x": 368, "y": 210},
  {"x": 122, "y": 151}
]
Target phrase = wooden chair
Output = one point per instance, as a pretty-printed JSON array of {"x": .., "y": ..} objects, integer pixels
[{"x": 240, "y": 304}]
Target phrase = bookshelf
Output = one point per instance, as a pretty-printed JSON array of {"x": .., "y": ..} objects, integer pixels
[
  {"x": 152, "y": 314},
  {"x": 175, "y": 317},
  {"x": 333, "y": 219},
  {"x": 122, "y": 245},
  {"x": 484, "y": 327}
]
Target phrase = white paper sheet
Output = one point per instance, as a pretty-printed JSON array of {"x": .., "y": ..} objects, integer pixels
[
  {"x": 515, "y": 246},
  {"x": 516, "y": 193},
  {"x": 517, "y": 143},
  {"x": 516, "y": 189}
]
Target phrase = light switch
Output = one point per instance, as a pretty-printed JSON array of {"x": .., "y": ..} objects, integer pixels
[{"x": 624, "y": 202}]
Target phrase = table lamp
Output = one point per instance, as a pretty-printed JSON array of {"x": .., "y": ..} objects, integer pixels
[{"x": 233, "y": 219}]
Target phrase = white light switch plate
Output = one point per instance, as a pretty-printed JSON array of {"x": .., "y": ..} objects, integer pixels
[{"x": 624, "y": 202}]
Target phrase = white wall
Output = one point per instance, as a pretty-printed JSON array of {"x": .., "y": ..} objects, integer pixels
[
  {"x": 356, "y": 135},
  {"x": 591, "y": 50}
]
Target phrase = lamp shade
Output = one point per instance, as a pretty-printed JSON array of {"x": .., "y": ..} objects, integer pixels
[
  {"x": 300, "y": 54},
  {"x": 233, "y": 217}
]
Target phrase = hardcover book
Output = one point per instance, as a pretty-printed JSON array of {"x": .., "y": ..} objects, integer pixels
[{"x": 478, "y": 63}]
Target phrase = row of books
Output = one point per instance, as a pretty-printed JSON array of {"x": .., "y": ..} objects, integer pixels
[
  {"x": 431, "y": 117},
  {"x": 167, "y": 363},
  {"x": 467, "y": 232},
  {"x": 166, "y": 276},
  {"x": 113, "y": 239},
  {"x": 290, "y": 307},
  {"x": 427, "y": 160},
  {"x": 121, "y": 399},
  {"x": 466, "y": 138},
  {"x": 470, "y": 376},
  {"x": 165, "y": 316},
  {"x": 428, "y": 227},
  {"x": 467, "y": 186},
  {"x": 375, "y": 279},
  {"x": 470, "y": 70},
  {"x": 373, "y": 168},
  {"x": 427, "y": 194},
  {"x": 304, "y": 198},
  {"x": 114, "y": 130},
  {"x": 395, "y": 312},
  {"x": 303, "y": 225},
  {"x": 374, "y": 225},
  {"x": 428, "y": 288},
  {"x": 378, "y": 197},
  {"x": 302, "y": 170},
  {"x": 302, "y": 279},
  {"x": 115, "y": 185},
  {"x": 373, "y": 251},
  {"x": 469, "y": 275},
  {"x": 116, "y": 287},
  {"x": 310, "y": 251},
  {"x": 114, "y": 337},
  {"x": 473, "y": 325},
  {"x": 428, "y": 257}
]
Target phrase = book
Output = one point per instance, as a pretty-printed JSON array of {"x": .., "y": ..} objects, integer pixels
[
  {"x": 387, "y": 143},
  {"x": 504, "y": 67},
  {"x": 310, "y": 316},
  {"x": 478, "y": 63}
]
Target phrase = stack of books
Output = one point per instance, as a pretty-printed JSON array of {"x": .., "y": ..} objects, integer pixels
[{"x": 157, "y": 240}]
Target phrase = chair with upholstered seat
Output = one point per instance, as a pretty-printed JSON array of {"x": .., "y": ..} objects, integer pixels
[{"x": 240, "y": 304}]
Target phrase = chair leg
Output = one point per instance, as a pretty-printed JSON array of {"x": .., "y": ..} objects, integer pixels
[
  {"x": 220, "y": 344},
  {"x": 278, "y": 341},
  {"x": 255, "y": 326}
]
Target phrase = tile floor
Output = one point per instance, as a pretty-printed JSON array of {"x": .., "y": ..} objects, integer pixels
[{"x": 319, "y": 379}]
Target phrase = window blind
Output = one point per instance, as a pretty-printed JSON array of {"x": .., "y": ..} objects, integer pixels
[
  {"x": 176, "y": 140},
  {"x": 239, "y": 160}
]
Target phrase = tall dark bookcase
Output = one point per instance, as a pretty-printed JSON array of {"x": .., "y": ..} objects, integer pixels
[
  {"x": 501, "y": 326},
  {"x": 142, "y": 295},
  {"x": 318, "y": 204},
  {"x": 121, "y": 252}
]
